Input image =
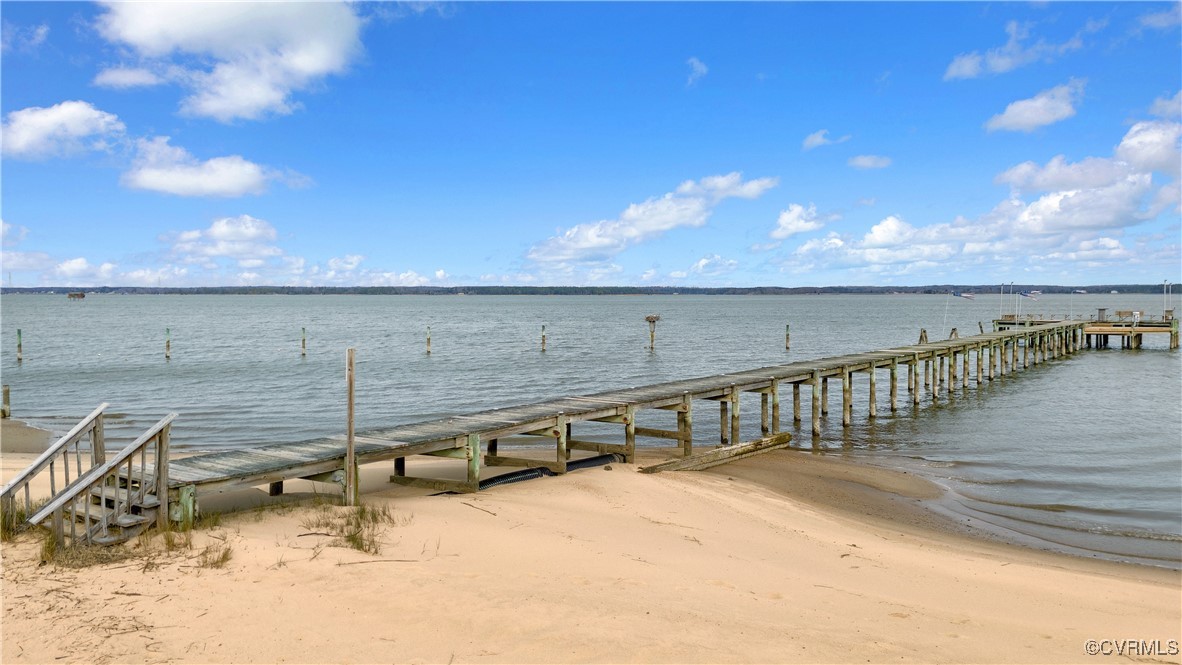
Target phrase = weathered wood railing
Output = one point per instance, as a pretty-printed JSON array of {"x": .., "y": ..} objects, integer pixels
[
  {"x": 57, "y": 461},
  {"x": 131, "y": 488}
]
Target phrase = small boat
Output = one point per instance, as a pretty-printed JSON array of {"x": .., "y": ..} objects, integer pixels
[
  {"x": 76, "y": 295},
  {"x": 1084, "y": 291},
  {"x": 967, "y": 296}
]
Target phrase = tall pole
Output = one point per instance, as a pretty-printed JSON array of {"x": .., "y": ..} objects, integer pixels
[{"x": 351, "y": 491}]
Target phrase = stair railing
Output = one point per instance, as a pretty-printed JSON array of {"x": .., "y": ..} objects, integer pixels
[
  {"x": 125, "y": 481},
  {"x": 57, "y": 461}
]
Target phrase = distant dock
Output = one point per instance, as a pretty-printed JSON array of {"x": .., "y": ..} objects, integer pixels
[{"x": 1129, "y": 325}]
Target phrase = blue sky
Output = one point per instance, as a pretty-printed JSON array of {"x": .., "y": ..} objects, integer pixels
[{"x": 698, "y": 144}]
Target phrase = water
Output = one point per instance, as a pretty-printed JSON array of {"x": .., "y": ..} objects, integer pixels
[{"x": 1082, "y": 454}]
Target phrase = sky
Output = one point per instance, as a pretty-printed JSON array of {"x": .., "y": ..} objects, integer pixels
[{"x": 706, "y": 144}]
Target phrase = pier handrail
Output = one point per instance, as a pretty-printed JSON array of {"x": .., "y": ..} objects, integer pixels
[
  {"x": 99, "y": 477},
  {"x": 92, "y": 424}
]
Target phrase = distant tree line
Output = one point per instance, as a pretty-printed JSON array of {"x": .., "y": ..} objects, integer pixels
[{"x": 583, "y": 290}]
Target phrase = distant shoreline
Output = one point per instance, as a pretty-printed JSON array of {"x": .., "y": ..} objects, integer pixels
[{"x": 934, "y": 289}]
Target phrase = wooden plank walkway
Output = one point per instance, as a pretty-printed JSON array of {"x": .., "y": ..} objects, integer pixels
[{"x": 931, "y": 368}]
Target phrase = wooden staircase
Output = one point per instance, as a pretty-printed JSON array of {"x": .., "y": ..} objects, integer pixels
[{"x": 108, "y": 502}]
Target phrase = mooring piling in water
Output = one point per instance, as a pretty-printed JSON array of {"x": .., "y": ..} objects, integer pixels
[
  {"x": 428, "y": 340},
  {"x": 167, "y": 343},
  {"x": 303, "y": 342},
  {"x": 543, "y": 338},
  {"x": 787, "y": 336},
  {"x": 20, "y": 352},
  {"x": 652, "y": 330}
]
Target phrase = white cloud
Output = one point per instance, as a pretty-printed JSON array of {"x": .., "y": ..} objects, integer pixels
[
  {"x": 1045, "y": 108},
  {"x": 245, "y": 240},
  {"x": 679, "y": 274},
  {"x": 1016, "y": 52},
  {"x": 1059, "y": 174},
  {"x": 240, "y": 60},
  {"x": 37, "y": 261},
  {"x": 1153, "y": 146},
  {"x": 14, "y": 38},
  {"x": 80, "y": 270},
  {"x": 1169, "y": 109},
  {"x": 869, "y": 162},
  {"x": 127, "y": 77},
  {"x": 796, "y": 219},
  {"x": 441, "y": 275},
  {"x": 648, "y": 275},
  {"x": 61, "y": 129},
  {"x": 698, "y": 69},
  {"x": 689, "y": 206},
  {"x": 161, "y": 167},
  {"x": 713, "y": 265},
  {"x": 819, "y": 138}
]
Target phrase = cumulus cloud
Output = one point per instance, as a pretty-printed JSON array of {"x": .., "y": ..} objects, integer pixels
[
  {"x": 61, "y": 129},
  {"x": 22, "y": 39},
  {"x": 698, "y": 69},
  {"x": 820, "y": 138},
  {"x": 12, "y": 235},
  {"x": 796, "y": 219},
  {"x": 690, "y": 205},
  {"x": 713, "y": 265},
  {"x": 348, "y": 262},
  {"x": 1152, "y": 146},
  {"x": 1045, "y": 108},
  {"x": 239, "y": 60},
  {"x": 244, "y": 240},
  {"x": 79, "y": 270},
  {"x": 1016, "y": 52},
  {"x": 160, "y": 167},
  {"x": 869, "y": 162}
]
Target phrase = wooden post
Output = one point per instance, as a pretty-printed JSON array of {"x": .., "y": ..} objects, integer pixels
[
  {"x": 964, "y": 378},
  {"x": 910, "y": 377},
  {"x": 847, "y": 406},
  {"x": 723, "y": 422},
  {"x": 735, "y": 394},
  {"x": 167, "y": 343},
  {"x": 303, "y": 341},
  {"x": 816, "y": 414},
  {"x": 428, "y": 340},
  {"x": 980, "y": 373},
  {"x": 162, "y": 454},
  {"x": 6, "y": 406},
  {"x": 796, "y": 402},
  {"x": 894, "y": 385},
  {"x": 764, "y": 421},
  {"x": 351, "y": 490},
  {"x": 873, "y": 392},
  {"x": 825, "y": 396},
  {"x": 775, "y": 404},
  {"x": 685, "y": 424},
  {"x": 787, "y": 336},
  {"x": 98, "y": 442},
  {"x": 915, "y": 375},
  {"x": 20, "y": 353},
  {"x": 561, "y": 425},
  {"x": 630, "y": 433},
  {"x": 951, "y": 370},
  {"x": 652, "y": 330},
  {"x": 543, "y": 338}
]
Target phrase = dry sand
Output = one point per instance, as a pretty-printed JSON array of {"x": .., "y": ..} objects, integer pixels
[{"x": 786, "y": 557}]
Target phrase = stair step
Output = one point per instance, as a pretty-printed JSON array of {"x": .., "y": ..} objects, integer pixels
[
  {"x": 113, "y": 493},
  {"x": 126, "y": 520}
]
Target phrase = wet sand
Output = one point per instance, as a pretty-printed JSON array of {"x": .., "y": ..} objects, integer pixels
[{"x": 17, "y": 437}]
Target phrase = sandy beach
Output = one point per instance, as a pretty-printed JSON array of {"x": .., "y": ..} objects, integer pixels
[{"x": 786, "y": 557}]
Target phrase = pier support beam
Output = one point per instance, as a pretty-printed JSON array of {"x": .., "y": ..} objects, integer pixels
[
  {"x": 816, "y": 414},
  {"x": 964, "y": 375},
  {"x": 847, "y": 405},
  {"x": 894, "y": 385},
  {"x": 825, "y": 396},
  {"x": 796, "y": 402},
  {"x": 873, "y": 393}
]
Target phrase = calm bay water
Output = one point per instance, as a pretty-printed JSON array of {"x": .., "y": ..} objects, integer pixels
[{"x": 1082, "y": 454}]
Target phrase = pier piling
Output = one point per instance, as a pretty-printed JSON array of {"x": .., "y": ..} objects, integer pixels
[
  {"x": 543, "y": 338},
  {"x": 168, "y": 344},
  {"x": 787, "y": 336},
  {"x": 351, "y": 484},
  {"x": 428, "y": 340},
  {"x": 303, "y": 342},
  {"x": 20, "y": 352}
]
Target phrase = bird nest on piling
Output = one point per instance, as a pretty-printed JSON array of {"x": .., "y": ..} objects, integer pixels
[{"x": 653, "y": 318}]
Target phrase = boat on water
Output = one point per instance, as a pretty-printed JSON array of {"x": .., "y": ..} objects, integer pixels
[{"x": 1080, "y": 291}]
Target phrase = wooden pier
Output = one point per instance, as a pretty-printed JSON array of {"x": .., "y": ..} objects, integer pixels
[{"x": 933, "y": 370}]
